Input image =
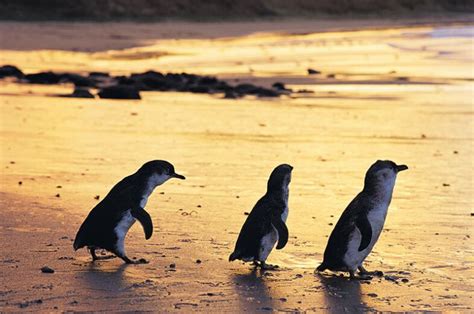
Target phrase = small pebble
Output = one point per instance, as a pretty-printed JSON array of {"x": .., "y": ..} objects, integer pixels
[
  {"x": 173, "y": 265},
  {"x": 58, "y": 195},
  {"x": 373, "y": 295},
  {"x": 47, "y": 270},
  {"x": 446, "y": 184},
  {"x": 20, "y": 182},
  {"x": 198, "y": 261},
  {"x": 97, "y": 197},
  {"x": 313, "y": 71},
  {"x": 405, "y": 280},
  {"x": 246, "y": 213},
  {"x": 58, "y": 186}
]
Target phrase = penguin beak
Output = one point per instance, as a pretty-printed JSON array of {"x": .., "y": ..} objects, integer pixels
[
  {"x": 178, "y": 176},
  {"x": 401, "y": 168}
]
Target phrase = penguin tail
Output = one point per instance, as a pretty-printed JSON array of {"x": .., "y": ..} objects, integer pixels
[
  {"x": 322, "y": 267},
  {"x": 77, "y": 244},
  {"x": 233, "y": 256}
]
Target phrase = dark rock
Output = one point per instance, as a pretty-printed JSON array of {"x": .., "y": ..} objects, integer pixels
[
  {"x": 77, "y": 80},
  {"x": 99, "y": 74},
  {"x": 175, "y": 77},
  {"x": 43, "y": 78},
  {"x": 81, "y": 93},
  {"x": 222, "y": 86},
  {"x": 173, "y": 265},
  {"x": 119, "y": 92},
  {"x": 124, "y": 80},
  {"x": 331, "y": 76},
  {"x": 265, "y": 92},
  {"x": 248, "y": 89},
  {"x": 10, "y": 71},
  {"x": 279, "y": 86},
  {"x": 230, "y": 94},
  {"x": 199, "y": 89},
  {"x": 208, "y": 80},
  {"x": 47, "y": 270},
  {"x": 198, "y": 261},
  {"x": 313, "y": 71}
]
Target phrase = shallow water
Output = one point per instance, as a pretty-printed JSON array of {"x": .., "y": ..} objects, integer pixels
[{"x": 227, "y": 149}]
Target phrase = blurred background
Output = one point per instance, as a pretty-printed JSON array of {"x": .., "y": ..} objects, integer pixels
[{"x": 218, "y": 10}]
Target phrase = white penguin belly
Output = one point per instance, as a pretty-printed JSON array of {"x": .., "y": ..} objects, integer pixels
[
  {"x": 270, "y": 239},
  {"x": 353, "y": 257},
  {"x": 121, "y": 230}
]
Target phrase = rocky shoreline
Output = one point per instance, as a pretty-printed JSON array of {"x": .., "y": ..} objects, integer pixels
[{"x": 129, "y": 87}]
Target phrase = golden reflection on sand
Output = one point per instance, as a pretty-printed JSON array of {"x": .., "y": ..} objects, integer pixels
[{"x": 226, "y": 149}]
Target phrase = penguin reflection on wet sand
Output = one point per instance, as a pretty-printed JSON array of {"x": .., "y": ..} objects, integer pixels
[
  {"x": 265, "y": 224},
  {"x": 361, "y": 223},
  {"x": 109, "y": 221}
]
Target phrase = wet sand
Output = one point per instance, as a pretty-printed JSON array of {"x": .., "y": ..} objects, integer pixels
[{"x": 403, "y": 94}]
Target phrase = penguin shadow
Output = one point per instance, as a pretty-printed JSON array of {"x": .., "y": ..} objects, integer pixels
[
  {"x": 99, "y": 276},
  {"x": 252, "y": 290},
  {"x": 342, "y": 294}
]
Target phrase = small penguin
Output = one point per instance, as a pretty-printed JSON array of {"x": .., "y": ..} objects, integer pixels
[
  {"x": 361, "y": 223},
  {"x": 108, "y": 222},
  {"x": 265, "y": 225}
]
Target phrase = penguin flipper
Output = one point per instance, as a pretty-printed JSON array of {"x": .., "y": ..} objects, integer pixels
[
  {"x": 282, "y": 230},
  {"x": 144, "y": 218},
  {"x": 365, "y": 229}
]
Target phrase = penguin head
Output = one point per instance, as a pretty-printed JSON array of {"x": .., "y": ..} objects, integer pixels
[
  {"x": 158, "y": 171},
  {"x": 382, "y": 175},
  {"x": 280, "y": 177}
]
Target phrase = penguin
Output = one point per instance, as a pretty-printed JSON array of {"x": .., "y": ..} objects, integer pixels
[
  {"x": 265, "y": 225},
  {"x": 109, "y": 221},
  {"x": 361, "y": 223}
]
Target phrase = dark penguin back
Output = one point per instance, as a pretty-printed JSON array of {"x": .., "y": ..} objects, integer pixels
[
  {"x": 98, "y": 228},
  {"x": 258, "y": 223},
  {"x": 340, "y": 235}
]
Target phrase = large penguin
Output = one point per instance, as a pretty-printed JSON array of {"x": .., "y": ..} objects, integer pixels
[{"x": 361, "y": 223}]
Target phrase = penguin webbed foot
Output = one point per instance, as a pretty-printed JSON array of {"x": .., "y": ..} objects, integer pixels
[
  {"x": 102, "y": 258},
  {"x": 352, "y": 276},
  {"x": 363, "y": 271},
  {"x": 99, "y": 258},
  {"x": 135, "y": 262},
  {"x": 265, "y": 266}
]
